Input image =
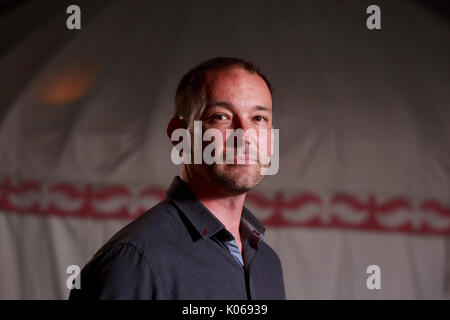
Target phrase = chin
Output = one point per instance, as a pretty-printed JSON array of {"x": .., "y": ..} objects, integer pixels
[{"x": 237, "y": 178}]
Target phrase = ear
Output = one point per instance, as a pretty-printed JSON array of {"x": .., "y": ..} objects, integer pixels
[{"x": 175, "y": 123}]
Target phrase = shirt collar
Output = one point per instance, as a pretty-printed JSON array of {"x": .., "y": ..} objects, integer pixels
[{"x": 204, "y": 221}]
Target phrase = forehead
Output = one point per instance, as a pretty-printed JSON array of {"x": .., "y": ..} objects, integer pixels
[{"x": 238, "y": 84}]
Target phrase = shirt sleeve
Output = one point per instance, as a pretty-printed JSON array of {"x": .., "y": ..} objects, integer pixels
[{"x": 123, "y": 273}]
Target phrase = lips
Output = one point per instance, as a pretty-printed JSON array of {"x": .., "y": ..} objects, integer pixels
[{"x": 243, "y": 159}]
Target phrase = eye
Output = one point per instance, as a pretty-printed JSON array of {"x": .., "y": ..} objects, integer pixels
[
  {"x": 219, "y": 116},
  {"x": 260, "y": 118}
]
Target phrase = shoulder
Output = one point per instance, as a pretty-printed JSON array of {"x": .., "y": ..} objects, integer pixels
[
  {"x": 118, "y": 273},
  {"x": 269, "y": 255},
  {"x": 147, "y": 231},
  {"x": 120, "y": 267},
  {"x": 270, "y": 272},
  {"x": 137, "y": 244}
]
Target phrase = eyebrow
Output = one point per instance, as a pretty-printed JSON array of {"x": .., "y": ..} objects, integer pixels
[
  {"x": 263, "y": 108},
  {"x": 230, "y": 106}
]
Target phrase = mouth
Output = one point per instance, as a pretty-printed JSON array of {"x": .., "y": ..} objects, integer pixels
[{"x": 243, "y": 159}]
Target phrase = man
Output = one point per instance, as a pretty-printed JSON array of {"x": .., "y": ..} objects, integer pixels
[{"x": 200, "y": 242}]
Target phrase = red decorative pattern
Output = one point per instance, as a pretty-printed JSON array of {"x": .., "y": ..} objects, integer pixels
[{"x": 307, "y": 209}]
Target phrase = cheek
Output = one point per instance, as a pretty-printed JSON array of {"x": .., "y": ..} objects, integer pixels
[
  {"x": 265, "y": 143},
  {"x": 219, "y": 144}
]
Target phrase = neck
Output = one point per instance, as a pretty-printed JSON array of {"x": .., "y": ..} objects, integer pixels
[{"x": 226, "y": 207}]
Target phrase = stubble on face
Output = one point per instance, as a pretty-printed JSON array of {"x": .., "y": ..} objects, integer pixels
[{"x": 235, "y": 178}]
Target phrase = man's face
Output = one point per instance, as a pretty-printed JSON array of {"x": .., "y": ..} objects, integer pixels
[{"x": 237, "y": 99}]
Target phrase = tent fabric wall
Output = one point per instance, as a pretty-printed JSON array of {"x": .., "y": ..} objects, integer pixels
[{"x": 364, "y": 125}]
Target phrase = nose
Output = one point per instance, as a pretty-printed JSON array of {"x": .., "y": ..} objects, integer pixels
[
  {"x": 248, "y": 138},
  {"x": 240, "y": 123}
]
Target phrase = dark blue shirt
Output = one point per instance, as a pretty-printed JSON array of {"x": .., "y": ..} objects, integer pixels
[{"x": 178, "y": 250}]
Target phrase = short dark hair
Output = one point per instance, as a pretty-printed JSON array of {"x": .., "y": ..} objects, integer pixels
[{"x": 192, "y": 88}]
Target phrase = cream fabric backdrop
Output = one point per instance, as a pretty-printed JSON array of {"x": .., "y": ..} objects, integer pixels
[{"x": 364, "y": 136}]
